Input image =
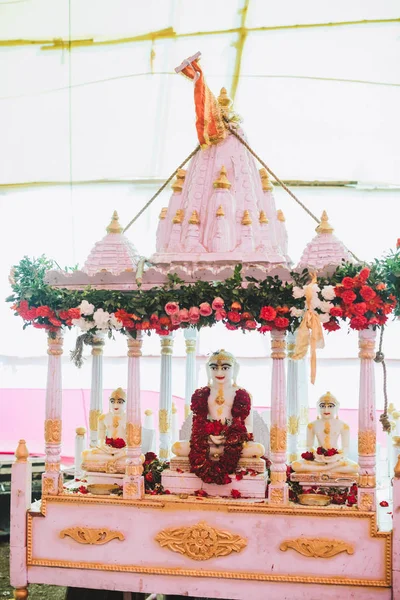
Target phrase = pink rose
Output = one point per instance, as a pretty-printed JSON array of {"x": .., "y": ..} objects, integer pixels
[
  {"x": 218, "y": 304},
  {"x": 250, "y": 324},
  {"x": 184, "y": 315},
  {"x": 220, "y": 314},
  {"x": 205, "y": 309},
  {"x": 230, "y": 327},
  {"x": 176, "y": 319},
  {"x": 171, "y": 308},
  {"x": 194, "y": 315}
]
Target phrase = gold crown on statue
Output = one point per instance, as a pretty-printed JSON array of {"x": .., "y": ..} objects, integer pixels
[
  {"x": 118, "y": 393},
  {"x": 221, "y": 356},
  {"x": 328, "y": 397}
]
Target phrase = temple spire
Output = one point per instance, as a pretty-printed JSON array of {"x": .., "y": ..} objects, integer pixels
[
  {"x": 114, "y": 226},
  {"x": 324, "y": 226}
]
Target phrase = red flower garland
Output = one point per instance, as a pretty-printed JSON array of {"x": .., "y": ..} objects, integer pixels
[
  {"x": 235, "y": 433},
  {"x": 115, "y": 442}
]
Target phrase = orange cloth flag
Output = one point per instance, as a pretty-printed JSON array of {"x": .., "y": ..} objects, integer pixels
[{"x": 209, "y": 122}]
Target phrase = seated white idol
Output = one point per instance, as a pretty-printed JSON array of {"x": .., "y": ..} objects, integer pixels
[
  {"x": 327, "y": 430},
  {"x": 220, "y": 405},
  {"x": 110, "y": 453}
]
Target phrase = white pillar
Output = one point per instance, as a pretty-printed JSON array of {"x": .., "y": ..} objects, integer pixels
[
  {"x": 174, "y": 425},
  {"x": 80, "y": 445},
  {"x": 133, "y": 484},
  {"x": 367, "y": 422},
  {"x": 96, "y": 390},
  {"x": 52, "y": 480},
  {"x": 278, "y": 488},
  {"x": 302, "y": 394},
  {"x": 190, "y": 383},
  {"x": 21, "y": 487},
  {"x": 293, "y": 403},
  {"x": 165, "y": 408}
]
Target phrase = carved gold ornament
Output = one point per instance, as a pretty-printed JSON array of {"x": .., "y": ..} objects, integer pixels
[
  {"x": 278, "y": 439},
  {"x": 201, "y": 541},
  {"x": 48, "y": 486},
  {"x": 366, "y": 442},
  {"x": 133, "y": 434},
  {"x": 130, "y": 489},
  {"x": 367, "y": 349},
  {"x": 85, "y": 535},
  {"x": 94, "y": 419},
  {"x": 366, "y": 502},
  {"x": 317, "y": 547},
  {"x": 367, "y": 481},
  {"x": 166, "y": 345},
  {"x": 55, "y": 345},
  {"x": 293, "y": 424},
  {"x": 164, "y": 420},
  {"x": 278, "y": 349},
  {"x": 278, "y": 476},
  {"x": 52, "y": 431},
  {"x": 276, "y": 496},
  {"x": 51, "y": 467},
  {"x": 135, "y": 347}
]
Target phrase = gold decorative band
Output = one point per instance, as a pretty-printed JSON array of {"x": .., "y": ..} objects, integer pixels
[
  {"x": 317, "y": 547},
  {"x": 164, "y": 420},
  {"x": 136, "y": 470},
  {"x": 166, "y": 345},
  {"x": 367, "y": 349},
  {"x": 293, "y": 424},
  {"x": 135, "y": 347},
  {"x": 86, "y": 535},
  {"x": 367, "y": 442},
  {"x": 52, "y": 431},
  {"x": 94, "y": 419},
  {"x": 278, "y": 439},
  {"x": 51, "y": 467},
  {"x": 133, "y": 434},
  {"x": 278, "y": 477},
  {"x": 97, "y": 351},
  {"x": 365, "y": 481}
]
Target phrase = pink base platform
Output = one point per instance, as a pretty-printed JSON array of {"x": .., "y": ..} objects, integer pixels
[{"x": 188, "y": 483}]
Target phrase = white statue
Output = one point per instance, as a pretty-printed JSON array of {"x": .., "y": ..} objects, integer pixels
[
  {"x": 221, "y": 401},
  {"x": 327, "y": 430},
  {"x": 109, "y": 455}
]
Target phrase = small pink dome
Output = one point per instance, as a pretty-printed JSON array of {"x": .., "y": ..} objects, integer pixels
[{"x": 114, "y": 253}]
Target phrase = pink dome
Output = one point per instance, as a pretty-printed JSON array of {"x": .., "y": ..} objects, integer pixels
[
  {"x": 325, "y": 249},
  {"x": 114, "y": 253}
]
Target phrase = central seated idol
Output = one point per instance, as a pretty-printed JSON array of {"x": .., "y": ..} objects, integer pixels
[{"x": 222, "y": 424}]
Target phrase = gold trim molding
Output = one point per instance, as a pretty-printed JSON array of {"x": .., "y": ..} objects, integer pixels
[
  {"x": 293, "y": 424},
  {"x": 317, "y": 547},
  {"x": 201, "y": 541},
  {"x": 86, "y": 535},
  {"x": 52, "y": 431},
  {"x": 94, "y": 414},
  {"x": 278, "y": 437},
  {"x": 164, "y": 423},
  {"x": 133, "y": 434},
  {"x": 367, "y": 442}
]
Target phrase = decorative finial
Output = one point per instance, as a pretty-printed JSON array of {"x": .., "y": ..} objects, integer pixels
[
  {"x": 263, "y": 217},
  {"x": 397, "y": 467},
  {"x": 222, "y": 182},
  {"x": 163, "y": 213},
  {"x": 148, "y": 412},
  {"x": 265, "y": 180},
  {"x": 246, "y": 220},
  {"x": 21, "y": 452},
  {"x": 177, "y": 186},
  {"x": 220, "y": 211},
  {"x": 114, "y": 226},
  {"x": 178, "y": 218},
  {"x": 324, "y": 226},
  {"x": 194, "y": 219},
  {"x": 224, "y": 101},
  {"x": 80, "y": 431},
  {"x": 280, "y": 216}
]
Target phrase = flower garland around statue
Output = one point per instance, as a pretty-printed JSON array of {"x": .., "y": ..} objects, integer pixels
[{"x": 234, "y": 433}]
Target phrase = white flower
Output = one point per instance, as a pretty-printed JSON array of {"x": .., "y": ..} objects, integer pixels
[
  {"x": 296, "y": 312},
  {"x": 328, "y": 292},
  {"x": 114, "y": 322},
  {"x": 315, "y": 302},
  {"x": 83, "y": 324},
  {"x": 86, "y": 308},
  {"x": 298, "y": 292},
  {"x": 325, "y": 306},
  {"x": 324, "y": 318},
  {"x": 101, "y": 318}
]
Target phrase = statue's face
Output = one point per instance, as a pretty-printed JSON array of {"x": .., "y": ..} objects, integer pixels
[
  {"x": 327, "y": 410},
  {"x": 117, "y": 405},
  {"x": 221, "y": 371}
]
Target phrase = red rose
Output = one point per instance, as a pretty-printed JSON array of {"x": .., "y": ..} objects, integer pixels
[
  {"x": 308, "y": 456},
  {"x": 358, "y": 323},
  {"x": 336, "y": 311},
  {"x": 250, "y": 324},
  {"x": 149, "y": 457},
  {"x": 231, "y": 327},
  {"x": 339, "y": 499},
  {"x": 82, "y": 489},
  {"x": 359, "y": 308},
  {"x": 282, "y": 310},
  {"x": 348, "y": 283},
  {"x": 149, "y": 477},
  {"x": 236, "y": 494},
  {"x": 381, "y": 286},
  {"x": 236, "y": 306},
  {"x": 321, "y": 451},
  {"x": 171, "y": 308},
  {"x": 205, "y": 309},
  {"x": 338, "y": 291},
  {"x": 265, "y": 328},
  {"x": 74, "y": 313},
  {"x": 331, "y": 452},
  {"x": 348, "y": 297},
  {"x": 201, "y": 493},
  {"x": 165, "y": 321},
  {"x": 267, "y": 313},
  {"x": 239, "y": 474},
  {"x": 351, "y": 499},
  {"x": 382, "y": 319},
  {"x": 367, "y": 293},
  {"x": 281, "y": 322},
  {"x": 373, "y": 321},
  {"x": 364, "y": 274},
  {"x": 234, "y": 316},
  {"x": 115, "y": 442},
  {"x": 44, "y": 311},
  {"x": 384, "y": 503}
]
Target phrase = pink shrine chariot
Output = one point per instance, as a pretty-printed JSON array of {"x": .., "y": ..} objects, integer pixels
[{"x": 223, "y": 509}]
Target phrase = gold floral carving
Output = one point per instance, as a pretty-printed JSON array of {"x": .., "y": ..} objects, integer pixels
[
  {"x": 276, "y": 496},
  {"x": 48, "y": 486},
  {"x": 367, "y": 481},
  {"x": 366, "y": 502},
  {"x": 278, "y": 477},
  {"x": 134, "y": 470},
  {"x": 94, "y": 419},
  {"x": 130, "y": 489},
  {"x": 133, "y": 434},
  {"x": 278, "y": 439},
  {"x": 293, "y": 424},
  {"x": 163, "y": 420},
  {"x": 367, "y": 442},
  {"x": 85, "y": 535},
  {"x": 52, "y": 431},
  {"x": 51, "y": 467},
  {"x": 201, "y": 541},
  {"x": 317, "y": 547}
]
